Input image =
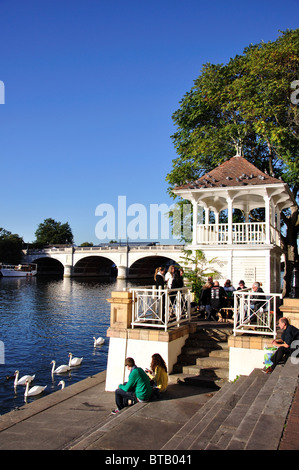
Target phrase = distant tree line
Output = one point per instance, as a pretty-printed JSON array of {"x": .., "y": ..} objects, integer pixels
[{"x": 48, "y": 232}]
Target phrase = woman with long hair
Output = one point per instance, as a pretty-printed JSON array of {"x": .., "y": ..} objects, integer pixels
[
  {"x": 158, "y": 373},
  {"x": 159, "y": 277},
  {"x": 170, "y": 276}
]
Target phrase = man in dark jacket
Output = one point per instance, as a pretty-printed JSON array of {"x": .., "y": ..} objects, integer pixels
[{"x": 286, "y": 345}]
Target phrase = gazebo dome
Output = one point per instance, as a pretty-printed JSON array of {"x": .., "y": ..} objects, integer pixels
[{"x": 239, "y": 180}]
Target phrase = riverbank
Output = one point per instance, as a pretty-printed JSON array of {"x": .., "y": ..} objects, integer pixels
[
  {"x": 79, "y": 418},
  {"x": 79, "y": 415}
]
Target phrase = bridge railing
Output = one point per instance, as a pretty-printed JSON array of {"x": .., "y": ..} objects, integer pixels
[
  {"x": 160, "y": 308},
  {"x": 111, "y": 247},
  {"x": 255, "y": 312}
]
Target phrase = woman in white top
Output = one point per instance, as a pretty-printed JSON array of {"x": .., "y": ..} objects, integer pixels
[{"x": 169, "y": 276}]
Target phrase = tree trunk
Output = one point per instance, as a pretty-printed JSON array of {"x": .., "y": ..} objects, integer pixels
[{"x": 290, "y": 250}]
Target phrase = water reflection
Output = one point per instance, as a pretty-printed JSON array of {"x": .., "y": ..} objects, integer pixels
[{"x": 45, "y": 319}]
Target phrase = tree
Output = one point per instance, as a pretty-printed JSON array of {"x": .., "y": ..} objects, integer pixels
[
  {"x": 51, "y": 232},
  {"x": 197, "y": 269},
  {"x": 245, "y": 104},
  {"x": 10, "y": 247}
]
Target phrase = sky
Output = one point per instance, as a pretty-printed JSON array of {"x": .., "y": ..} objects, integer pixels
[{"x": 89, "y": 88}]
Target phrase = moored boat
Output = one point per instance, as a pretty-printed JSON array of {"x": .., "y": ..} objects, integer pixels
[{"x": 19, "y": 270}]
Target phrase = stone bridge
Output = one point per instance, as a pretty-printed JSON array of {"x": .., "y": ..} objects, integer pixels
[{"x": 122, "y": 261}]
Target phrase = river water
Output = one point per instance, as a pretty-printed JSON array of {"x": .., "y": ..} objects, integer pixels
[{"x": 43, "y": 320}]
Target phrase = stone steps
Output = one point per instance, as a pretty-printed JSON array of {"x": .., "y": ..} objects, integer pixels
[
  {"x": 247, "y": 414},
  {"x": 204, "y": 358}
]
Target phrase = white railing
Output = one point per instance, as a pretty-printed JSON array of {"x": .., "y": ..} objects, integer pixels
[
  {"x": 122, "y": 248},
  {"x": 241, "y": 233},
  {"x": 255, "y": 312},
  {"x": 160, "y": 308}
]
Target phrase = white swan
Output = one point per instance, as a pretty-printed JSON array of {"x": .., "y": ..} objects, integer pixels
[
  {"x": 62, "y": 383},
  {"x": 74, "y": 361},
  {"x": 22, "y": 380},
  {"x": 36, "y": 390},
  {"x": 98, "y": 341},
  {"x": 60, "y": 370}
]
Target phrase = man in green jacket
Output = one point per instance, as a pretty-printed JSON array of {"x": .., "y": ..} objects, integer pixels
[{"x": 138, "y": 387}]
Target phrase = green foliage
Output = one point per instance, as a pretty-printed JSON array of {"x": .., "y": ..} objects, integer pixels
[
  {"x": 197, "y": 269},
  {"x": 245, "y": 104},
  {"x": 86, "y": 244},
  {"x": 51, "y": 232},
  {"x": 10, "y": 247}
]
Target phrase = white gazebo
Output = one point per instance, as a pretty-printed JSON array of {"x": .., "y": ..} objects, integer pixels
[{"x": 250, "y": 250}]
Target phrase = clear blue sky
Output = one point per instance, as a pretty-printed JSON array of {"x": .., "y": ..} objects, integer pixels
[{"x": 90, "y": 89}]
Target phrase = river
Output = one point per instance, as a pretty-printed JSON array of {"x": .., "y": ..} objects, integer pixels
[{"x": 43, "y": 320}]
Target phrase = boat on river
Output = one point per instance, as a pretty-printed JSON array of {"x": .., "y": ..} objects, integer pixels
[{"x": 19, "y": 270}]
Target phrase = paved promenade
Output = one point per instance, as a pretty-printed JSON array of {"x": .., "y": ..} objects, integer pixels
[{"x": 79, "y": 418}]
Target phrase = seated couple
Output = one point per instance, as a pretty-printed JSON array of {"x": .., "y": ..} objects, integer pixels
[{"x": 141, "y": 385}]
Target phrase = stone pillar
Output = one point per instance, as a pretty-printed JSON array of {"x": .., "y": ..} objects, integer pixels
[
  {"x": 122, "y": 272},
  {"x": 290, "y": 310},
  {"x": 139, "y": 343},
  {"x": 68, "y": 270},
  {"x": 246, "y": 353}
]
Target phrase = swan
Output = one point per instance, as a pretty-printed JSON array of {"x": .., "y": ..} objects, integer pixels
[
  {"x": 62, "y": 383},
  {"x": 36, "y": 390},
  {"x": 99, "y": 341},
  {"x": 74, "y": 361},
  {"x": 22, "y": 380},
  {"x": 60, "y": 369}
]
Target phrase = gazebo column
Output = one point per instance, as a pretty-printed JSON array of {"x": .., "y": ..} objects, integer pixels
[
  {"x": 207, "y": 216},
  {"x": 267, "y": 219},
  {"x": 195, "y": 216},
  {"x": 230, "y": 220}
]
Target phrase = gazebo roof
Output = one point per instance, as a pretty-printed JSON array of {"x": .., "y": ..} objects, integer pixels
[{"x": 240, "y": 180}]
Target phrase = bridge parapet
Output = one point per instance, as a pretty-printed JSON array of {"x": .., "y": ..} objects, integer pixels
[{"x": 95, "y": 249}]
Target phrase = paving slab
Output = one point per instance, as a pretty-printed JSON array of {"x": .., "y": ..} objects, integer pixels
[{"x": 79, "y": 417}]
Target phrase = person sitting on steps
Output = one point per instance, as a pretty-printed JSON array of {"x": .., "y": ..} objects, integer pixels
[
  {"x": 138, "y": 387},
  {"x": 288, "y": 343}
]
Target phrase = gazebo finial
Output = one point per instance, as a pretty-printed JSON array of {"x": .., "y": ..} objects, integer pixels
[{"x": 238, "y": 150}]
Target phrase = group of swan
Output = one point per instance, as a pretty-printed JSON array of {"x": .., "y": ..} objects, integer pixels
[
  {"x": 33, "y": 391},
  {"x": 38, "y": 389},
  {"x": 73, "y": 362}
]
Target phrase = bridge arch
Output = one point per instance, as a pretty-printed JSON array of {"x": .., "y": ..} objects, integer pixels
[
  {"x": 144, "y": 267},
  {"x": 49, "y": 266},
  {"x": 95, "y": 266}
]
